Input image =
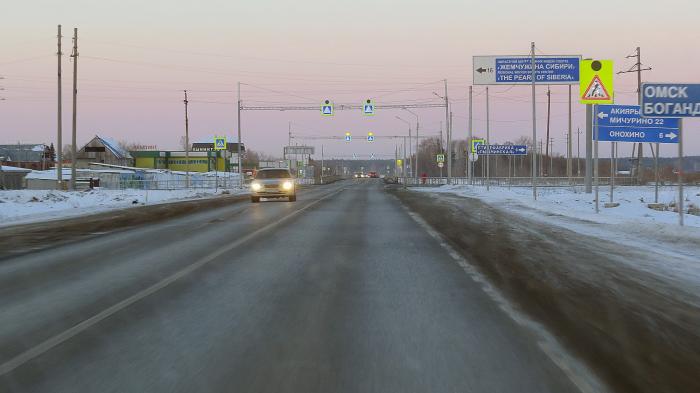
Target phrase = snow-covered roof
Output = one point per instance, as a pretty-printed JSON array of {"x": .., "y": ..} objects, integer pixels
[{"x": 114, "y": 147}]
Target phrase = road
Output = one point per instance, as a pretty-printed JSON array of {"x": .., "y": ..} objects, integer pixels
[{"x": 341, "y": 291}]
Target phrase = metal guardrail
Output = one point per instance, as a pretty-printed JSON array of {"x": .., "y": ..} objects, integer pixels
[
  {"x": 513, "y": 181},
  {"x": 180, "y": 184}
]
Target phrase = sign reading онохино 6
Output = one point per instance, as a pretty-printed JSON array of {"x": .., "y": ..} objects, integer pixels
[{"x": 671, "y": 100}]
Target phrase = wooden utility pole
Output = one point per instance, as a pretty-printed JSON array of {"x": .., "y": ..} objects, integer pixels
[{"x": 75, "y": 104}]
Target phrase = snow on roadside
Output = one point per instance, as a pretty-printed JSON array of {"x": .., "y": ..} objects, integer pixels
[
  {"x": 25, "y": 206},
  {"x": 671, "y": 250}
]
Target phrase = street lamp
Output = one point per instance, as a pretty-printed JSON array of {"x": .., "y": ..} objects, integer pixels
[
  {"x": 417, "y": 127},
  {"x": 404, "y": 147}
]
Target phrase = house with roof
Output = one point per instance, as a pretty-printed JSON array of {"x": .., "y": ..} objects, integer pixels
[
  {"x": 36, "y": 156},
  {"x": 103, "y": 150}
]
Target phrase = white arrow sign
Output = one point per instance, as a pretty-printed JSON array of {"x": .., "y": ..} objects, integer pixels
[
  {"x": 602, "y": 115},
  {"x": 671, "y": 135}
]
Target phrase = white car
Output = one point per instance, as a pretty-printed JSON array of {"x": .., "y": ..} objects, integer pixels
[{"x": 273, "y": 183}]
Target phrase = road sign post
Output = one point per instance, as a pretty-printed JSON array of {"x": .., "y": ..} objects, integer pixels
[
  {"x": 370, "y": 137},
  {"x": 673, "y": 100}
]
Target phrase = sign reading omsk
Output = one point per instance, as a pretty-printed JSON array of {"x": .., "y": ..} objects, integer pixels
[
  {"x": 327, "y": 108},
  {"x": 368, "y": 107},
  {"x": 671, "y": 99},
  {"x": 624, "y": 123},
  {"x": 596, "y": 85},
  {"x": 513, "y": 70},
  {"x": 509, "y": 150},
  {"x": 219, "y": 143}
]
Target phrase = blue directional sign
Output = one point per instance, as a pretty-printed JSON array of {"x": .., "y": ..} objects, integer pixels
[
  {"x": 493, "y": 70},
  {"x": 670, "y": 99},
  {"x": 508, "y": 150},
  {"x": 624, "y": 123}
]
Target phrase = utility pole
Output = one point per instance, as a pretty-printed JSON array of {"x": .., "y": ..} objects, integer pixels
[
  {"x": 59, "y": 125},
  {"x": 75, "y": 109},
  {"x": 534, "y": 123},
  {"x": 449, "y": 132},
  {"x": 187, "y": 144},
  {"x": 549, "y": 106},
  {"x": 240, "y": 158},
  {"x": 470, "y": 170},
  {"x": 551, "y": 157},
  {"x": 637, "y": 67}
]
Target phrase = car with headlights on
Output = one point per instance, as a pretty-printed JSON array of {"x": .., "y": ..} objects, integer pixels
[{"x": 273, "y": 183}]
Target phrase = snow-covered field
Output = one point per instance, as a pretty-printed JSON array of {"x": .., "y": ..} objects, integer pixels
[{"x": 24, "y": 206}]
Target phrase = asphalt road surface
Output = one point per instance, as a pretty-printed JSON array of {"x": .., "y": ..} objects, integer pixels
[{"x": 341, "y": 291}]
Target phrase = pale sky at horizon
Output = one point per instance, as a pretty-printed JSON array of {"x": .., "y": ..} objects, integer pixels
[{"x": 137, "y": 57}]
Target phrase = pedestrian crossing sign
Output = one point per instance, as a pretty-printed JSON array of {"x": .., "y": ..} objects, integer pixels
[
  {"x": 596, "y": 86},
  {"x": 368, "y": 108},
  {"x": 440, "y": 158},
  {"x": 327, "y": 108},
  {"x": 219, "y": 143},
  {"x": 370, "y": 137},
  {"x": 348, "y": 137}
]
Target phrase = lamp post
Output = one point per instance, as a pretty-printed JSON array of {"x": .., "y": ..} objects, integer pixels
[
  {"x": 404, "y": 147},
  {"x": 417, "y": 127}
]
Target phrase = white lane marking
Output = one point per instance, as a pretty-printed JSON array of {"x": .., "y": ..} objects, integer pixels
[
  {"x": 579, "y": 374},
  {"x": 84, "y": 325}
]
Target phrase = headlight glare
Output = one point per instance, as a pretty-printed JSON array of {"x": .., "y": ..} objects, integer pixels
[
  {"x": 256, "y": 186},
  {"x": 287, "y": 185}
]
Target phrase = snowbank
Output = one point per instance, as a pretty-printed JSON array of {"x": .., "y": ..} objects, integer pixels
[{"x": 24, "y": 206}]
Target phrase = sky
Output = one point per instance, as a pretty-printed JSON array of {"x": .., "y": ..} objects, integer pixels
[{"x": 137, "y": 57}]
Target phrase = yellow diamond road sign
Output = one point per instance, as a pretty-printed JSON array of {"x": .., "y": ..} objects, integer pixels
[
  {"x": 596, "y": 86},
  {"x": 476, "y": 142}
]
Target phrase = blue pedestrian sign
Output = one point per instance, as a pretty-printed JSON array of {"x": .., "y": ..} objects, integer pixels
[
  {"x": 348, "y": 137},
  {"x": 219, "y": 143},
  {"x": 670, "y": 99},
  {"x": 508, "y": 150},
  {"x": 368, "y": 108},
  {"x": 624, "y": 123},
  {"x": 512, "y": 70},
  {"x": 370, "y": 137},
  {"x": 327, "y": 108}
]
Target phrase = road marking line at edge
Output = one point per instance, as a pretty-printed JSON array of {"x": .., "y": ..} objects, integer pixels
[
  {"x": 576, "y": 371},
  {"x": 48, "y": 344}
]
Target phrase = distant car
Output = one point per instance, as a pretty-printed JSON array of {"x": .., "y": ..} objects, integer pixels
[
  {"x": 359, "y": 175},
  {"x": 273, "y": 183},
  {"x": 373, "y": 175}
]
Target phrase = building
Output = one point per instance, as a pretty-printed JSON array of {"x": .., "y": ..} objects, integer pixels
[
  {"x": 30, "y": 156},
  {"x": 202, "y": 158},
  {"x": 105, "y": 151},
  {"x": 12, "y": 178}
]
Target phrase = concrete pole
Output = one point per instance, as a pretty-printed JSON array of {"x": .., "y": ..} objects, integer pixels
[
  {"x": 488, "y": 142},
  {"x": 534, "y": 123},
  {"x": 240, "y": 142},
  {"x": 59, "y": 125},
  {"x": 187, "y": 144},
  {"x": 449, "y": 131},
  {"x": 469, "y": 140},
  {"x": 74, "y": 154}
]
